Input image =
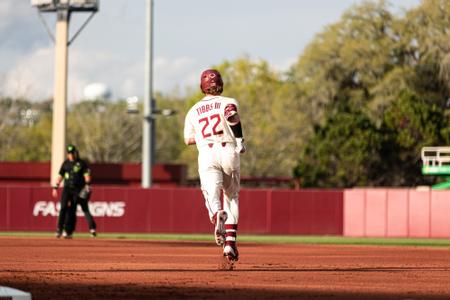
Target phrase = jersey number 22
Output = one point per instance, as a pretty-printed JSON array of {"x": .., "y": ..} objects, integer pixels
[{"x": 213, "y": 120}]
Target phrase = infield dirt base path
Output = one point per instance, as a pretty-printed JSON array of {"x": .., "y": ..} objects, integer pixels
[{"x": 130, "y": 269}]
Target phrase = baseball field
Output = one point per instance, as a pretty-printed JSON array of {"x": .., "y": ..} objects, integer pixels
[{"x": 179, "y": 267}]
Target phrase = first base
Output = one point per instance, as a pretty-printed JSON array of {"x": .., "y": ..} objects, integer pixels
[{"x": 7, "y": 293}]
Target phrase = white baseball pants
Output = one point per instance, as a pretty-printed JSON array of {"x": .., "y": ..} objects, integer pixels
[{"x": 219, "y": 170}]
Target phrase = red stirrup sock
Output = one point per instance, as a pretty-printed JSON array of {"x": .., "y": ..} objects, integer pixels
[{"x": 230, "y": 235}]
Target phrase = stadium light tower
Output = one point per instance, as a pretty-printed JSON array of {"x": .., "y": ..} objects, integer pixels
[
  {"x": 148, "y": 132},
  {"x": 63, "y": 9}
]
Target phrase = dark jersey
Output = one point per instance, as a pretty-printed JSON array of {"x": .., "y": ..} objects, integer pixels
[{"x": 73, "y": 173}]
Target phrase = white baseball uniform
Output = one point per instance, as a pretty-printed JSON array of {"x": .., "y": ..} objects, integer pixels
[{"x": 218, "y": 162}]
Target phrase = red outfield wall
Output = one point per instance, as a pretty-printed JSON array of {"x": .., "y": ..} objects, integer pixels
[
  {"x": 355, "y": 212},
  {"x": 177, "y": 210},
  {"x": 396, "y": 213}
]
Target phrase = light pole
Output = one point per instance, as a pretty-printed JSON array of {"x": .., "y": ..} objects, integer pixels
[
  {"x": 63, "y": 8},
  {"x": 148, "y": 132},
  {"x": 59, "y": 123}
]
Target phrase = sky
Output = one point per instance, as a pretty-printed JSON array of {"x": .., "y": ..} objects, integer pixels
[{"x": 189, "y": 36}]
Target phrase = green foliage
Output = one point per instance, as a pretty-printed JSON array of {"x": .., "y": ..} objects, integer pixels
[
  {"x": 33, "y": 142},
  {"x": 411, "y": 123},
  {"x": 342, "y": 152},
  {"x": 391, "y": 71},
  {"x": 346, "y": 61},
  {"x": 104, "y": 132},
  {"x": 169, "y": 132},
  {"x": 24, "y": 130},
  {"x": 107, "y": 133},
  {"x": 270, "y": 116}
]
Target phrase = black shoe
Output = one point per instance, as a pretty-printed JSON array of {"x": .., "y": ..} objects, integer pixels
[
  {"x": 93, "y": 232},
  {"x": 58, "y": 234},
  {"x": 67, "y": 236}
]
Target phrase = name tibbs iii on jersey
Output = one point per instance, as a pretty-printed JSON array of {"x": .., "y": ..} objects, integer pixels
[{"x": 208, "y": 107}]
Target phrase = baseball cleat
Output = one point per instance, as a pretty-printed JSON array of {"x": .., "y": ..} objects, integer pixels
[
  {"x": 219, "y": 229},
  {"x": 231, "y": 253},
  {"x": 225, "y": 264},
  {"x": 58, "y": 234},
  {"x": 67, "y": 235},
  {"x": 93, "y": 232}
]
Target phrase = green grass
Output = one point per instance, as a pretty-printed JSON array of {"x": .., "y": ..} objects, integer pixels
[{"x": 282, "y": 239}]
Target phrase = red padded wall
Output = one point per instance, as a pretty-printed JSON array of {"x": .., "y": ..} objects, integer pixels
[
  {"x": 176, "y": 210},
  {"x": 19, "y": 211},
  {"x": 280, "y": 212},
  {"x": 376, "y": 212},
  {"x": 396, "y": 213},
  {"x": 354, "y": 212},
  {"x": 328, "y": 205},
  {"x": 440, "y": 220},
  {"x": 253, "y": 211},
  {"x": 3, "y": 208},
  {"x": 419, "y": 213}
]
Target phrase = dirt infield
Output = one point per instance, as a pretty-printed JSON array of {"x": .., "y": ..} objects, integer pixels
[{"x": 133, "y": 269}]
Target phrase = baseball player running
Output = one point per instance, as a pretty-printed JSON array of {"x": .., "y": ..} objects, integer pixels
[{"x": 214, "y": 125}]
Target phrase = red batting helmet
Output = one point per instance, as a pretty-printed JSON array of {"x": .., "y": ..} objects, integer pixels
[{"x": 211, "y": 82}]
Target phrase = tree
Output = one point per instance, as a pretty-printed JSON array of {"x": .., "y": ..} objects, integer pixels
[
  {"x": 346, "y": 61},
  {"x": 25, "y": 129},
  {"x": 409, "y": 124},
  {"x": 32, "y": 143},
  {"x": 393, "y": 71},
  {"x": 104, "y": 132},
  {"x": 169, "y": 130},
  {"x": 10, "y": 112},
  {"x": 427, "y": 36},
  {"x": 343, "y": 152},
  {"x": 107, "y": 133}
]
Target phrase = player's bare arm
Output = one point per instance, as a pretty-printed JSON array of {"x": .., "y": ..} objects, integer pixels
[{"x": 189, "y": 141}]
